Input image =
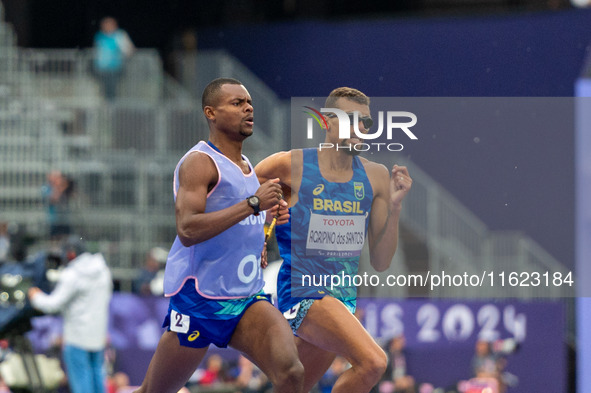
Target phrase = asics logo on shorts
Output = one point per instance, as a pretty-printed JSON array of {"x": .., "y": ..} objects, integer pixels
[{"x": 194, "y": 336}]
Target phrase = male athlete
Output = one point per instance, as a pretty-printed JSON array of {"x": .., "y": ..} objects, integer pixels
[
  {"x": 328, "y": 188},
  {"x": 213, "y": 274}
]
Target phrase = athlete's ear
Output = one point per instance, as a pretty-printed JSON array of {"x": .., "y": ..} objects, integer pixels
[
  {"x": 209, "y": 112},
  {"x": 325, "y": 125}
]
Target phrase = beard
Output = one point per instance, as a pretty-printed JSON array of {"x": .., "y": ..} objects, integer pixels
[
  {"x": 246, "y": 132},
  {"x": 348, "y": 147}
]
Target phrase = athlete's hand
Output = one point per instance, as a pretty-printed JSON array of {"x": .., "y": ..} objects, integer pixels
[
  {"x": 281, "y": 211},
  {"x": 400, "y": 184},
  {"x": 264, "y": 261},
  {"x": 269, "y": 194}
]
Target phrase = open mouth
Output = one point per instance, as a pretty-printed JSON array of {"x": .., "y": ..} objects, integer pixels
[{"x": 249, "y": 121}]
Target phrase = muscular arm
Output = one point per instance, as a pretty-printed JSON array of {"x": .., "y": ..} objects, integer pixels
[
  {"x": 197, "y": 175},
  {"x": 389, "y": 191},
  {"x": 279, "y": 165}
]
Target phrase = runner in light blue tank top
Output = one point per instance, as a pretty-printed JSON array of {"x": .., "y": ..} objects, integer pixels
[
  {"x": 240, "y": 263},
  {"x": 212, "y": 283},
  {"x": 213, "y": 274}
]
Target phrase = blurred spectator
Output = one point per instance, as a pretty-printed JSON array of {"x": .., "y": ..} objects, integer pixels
[
  {"x": 479, "y": 385},
  {"x": 4, "y": 241},
  {"x": 396, "y": 378},
  {"x": 3, "y": 387},
  {"x": 182, "y": 61},
  {"x": 112, "y": 46},
  {"x": 250, "y": 378},
  {"x": 338, "y": 366},
  {"x": 4, "y": 351},
  {"x": 56, "y": 193},
  {"x": 484, "y": 363},
  {"x": 213, "y": 372},
  {"x": 119, "y": 383},
  {"x": 150, "y": 279},
  {"x": 82, "y": 295},
  {"x": 19, "y": 241},
  {"x": 489, "y": 361}
]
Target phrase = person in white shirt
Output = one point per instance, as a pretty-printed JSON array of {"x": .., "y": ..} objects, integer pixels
[{"x": 82, "y": 296}]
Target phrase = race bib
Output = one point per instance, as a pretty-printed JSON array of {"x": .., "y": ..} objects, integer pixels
[
  {"x": 179, "y": 322},
  {"x": 335, "y": 236},
  {"x": 292, "y": 312}
]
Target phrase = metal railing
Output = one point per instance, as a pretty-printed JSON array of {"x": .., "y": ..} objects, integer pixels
[
  {"x": 121, "y": 157},
  {"x": 66, "y": 76}
]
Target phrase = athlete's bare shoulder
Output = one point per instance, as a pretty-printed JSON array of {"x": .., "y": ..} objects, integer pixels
[
  {"x": 198, "y": 167},
  {"x": 297, "y": 158},
  {"x": 279, "y": 165},
  {"x": 378, "y": 175},
  {"x": 197, "y": 159},
  {"x": 375, "y": 169}
]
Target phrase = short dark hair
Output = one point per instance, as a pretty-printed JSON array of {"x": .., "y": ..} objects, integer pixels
[
  {"x": 210, "y": 93},
  {"x": 348, "y": 93}
]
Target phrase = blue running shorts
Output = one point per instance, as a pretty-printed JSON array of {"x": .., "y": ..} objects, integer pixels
[{"x": 199, "y": 321}]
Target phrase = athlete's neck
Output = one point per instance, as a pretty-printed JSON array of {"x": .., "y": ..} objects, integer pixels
[
  {"x": 231, "y": 149},
  {"x": 335, "y": 165}
]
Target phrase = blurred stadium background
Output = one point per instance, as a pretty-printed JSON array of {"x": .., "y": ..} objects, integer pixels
[{"x": 121, "y": 155}]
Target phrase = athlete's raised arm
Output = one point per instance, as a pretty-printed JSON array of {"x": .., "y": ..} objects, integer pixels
[
  {"x": 389, "y": 191},
  {"x": 197, "y": 175}
]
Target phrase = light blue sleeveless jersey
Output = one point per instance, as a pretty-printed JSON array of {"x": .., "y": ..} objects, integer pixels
[
  {"x": 228, "y": 265},
  {"x": 324, "y": 236}
]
